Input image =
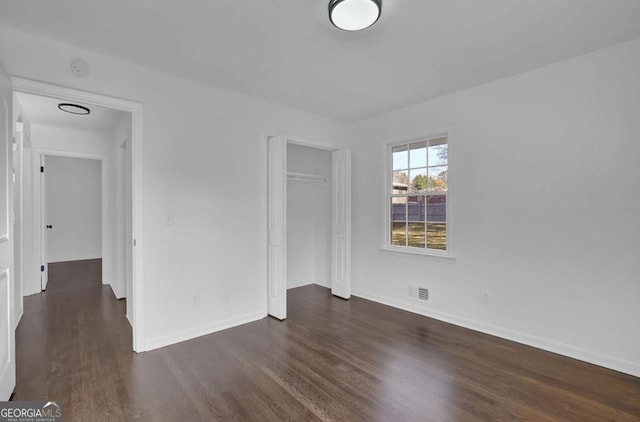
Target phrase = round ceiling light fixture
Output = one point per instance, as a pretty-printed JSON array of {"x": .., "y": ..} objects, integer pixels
[
  {"x": 74, "y": 109},
  {"x": 354, "y": 15}
]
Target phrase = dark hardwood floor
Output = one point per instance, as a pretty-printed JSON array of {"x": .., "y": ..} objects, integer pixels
[{"x": 331, "y": 360}]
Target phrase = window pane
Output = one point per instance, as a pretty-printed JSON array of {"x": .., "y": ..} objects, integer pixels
[
  {"x": 438, "y": 152},
  {"x": 418, "y": 154},
  {"x": 399, "y": 209},
  {"x": 400, "y": 182},
  {"x": 416, "y": 236},
  {"x": 418, "y": 179},
  {"x": 437, "y": 208},
  {"x": 438, "y": 179},
  {"x": 398, "y": 234},
  {"x": 400, "y": 157},
  {"x": 437, "y": 236},
  {"x": 416, "y": 208}
]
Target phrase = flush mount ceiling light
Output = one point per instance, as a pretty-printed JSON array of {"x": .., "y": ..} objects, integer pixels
[
  {"x": 74, "y": 108},
  {"x": 354, "y": 15}
]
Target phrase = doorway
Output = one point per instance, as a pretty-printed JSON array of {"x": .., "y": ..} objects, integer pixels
[
  {"x": 73, "y": 211},
  {"x": 309, "y": 220},
  {"x": 127, "y": 151}
]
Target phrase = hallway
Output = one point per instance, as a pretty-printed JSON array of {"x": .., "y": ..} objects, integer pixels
[{"x": 73, "y": 340}]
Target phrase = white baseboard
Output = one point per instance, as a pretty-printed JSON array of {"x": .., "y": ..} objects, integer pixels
[
  {"x": 19, "y": 318},
  {"x": 202, "y": 330},
  {"x": 300, "y": 284},
  {"x": 621, "y": 365},
  {"x": 74, "y": 258},
  {"x": 129, "y": 319},
  {"x": 8, "y": 383},
  {"x": 319, "y": 283},
  {"x": 115, "y": 289}
]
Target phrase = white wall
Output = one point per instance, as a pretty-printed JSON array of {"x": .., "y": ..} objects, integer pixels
[
  {"x": 308, "y": 218},
  {"x": 73, "y": 208},
  {"x": 546, "y": 206},
  {"x": 205, "y": 166},
  {"x": 122, "y": 246},
  {"x": 65, "y": 140}
]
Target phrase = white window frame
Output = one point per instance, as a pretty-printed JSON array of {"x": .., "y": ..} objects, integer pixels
[{"x": 387, "y": 194}]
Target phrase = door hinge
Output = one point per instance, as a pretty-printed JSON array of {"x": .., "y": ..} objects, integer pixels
[
  {"x": 41, "y": 169},
  {"x": 134, "y": 242},
  {"x": 41, "y": 268}
]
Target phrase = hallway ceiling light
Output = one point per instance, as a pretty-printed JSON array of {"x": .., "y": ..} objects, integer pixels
[
  {"x": 74, "y": 109},
  {"x": 354, "y": 15}
]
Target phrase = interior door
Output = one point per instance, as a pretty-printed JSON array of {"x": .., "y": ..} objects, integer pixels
[
  {"x": 7, "y": 332},
  {"x": 277, "y": 217},
  {"x": 44, "y": 267},
  {"x": 341, "y": 223}
]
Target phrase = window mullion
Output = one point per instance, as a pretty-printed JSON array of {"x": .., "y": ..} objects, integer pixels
[
  {"x": 426, "y": 240},
  {"x": 406, "y": 222}
]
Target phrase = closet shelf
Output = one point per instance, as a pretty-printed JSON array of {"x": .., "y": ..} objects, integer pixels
[{"x": 306, "y": 177}]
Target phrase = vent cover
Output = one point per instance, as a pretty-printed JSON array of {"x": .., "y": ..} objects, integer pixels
[
  {"x": 419, "y": 292},
  {"x": 423, "y": 293}
]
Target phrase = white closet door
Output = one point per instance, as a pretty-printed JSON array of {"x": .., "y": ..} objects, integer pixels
[
  {"x": 341, "y": 224},
  {"x": 44, "y": 266},
  {"x": 7, "y": 332},
  {"x": 276, "y": 215}
]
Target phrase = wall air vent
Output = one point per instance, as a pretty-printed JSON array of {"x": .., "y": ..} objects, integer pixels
[
  {"x": 423, "y": 294},
  {"x": 419, "y": 292}
]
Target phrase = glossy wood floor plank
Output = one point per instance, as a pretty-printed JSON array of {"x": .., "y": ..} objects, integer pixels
[{"x": 331, "y": 360}]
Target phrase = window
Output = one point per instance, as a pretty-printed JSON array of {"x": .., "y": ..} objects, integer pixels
[{"x": 416, "y": 217}]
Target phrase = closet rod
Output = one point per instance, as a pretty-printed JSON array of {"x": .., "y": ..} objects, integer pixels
[{"x": 306, "y": 177}]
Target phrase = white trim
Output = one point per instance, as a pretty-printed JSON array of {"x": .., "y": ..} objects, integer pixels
[
  {"x": 136, "y": 110},
  {"x": 77, "y": 258},
  {"x": 18, "y": 318},
  {"x": 31, "y": 86},
  {"x": 8, "y": 368},
  {"x": 434, "y": 253},
  {"x": 19, "y": 263},
  {"x": 595, "y": 358},
  {"x": 203, "y": 330},
  {"x": 306, "y": 143},
  {"x": 69, "y": 154},
  {"x": 116, "y": 291},
  {"x": 8, "y": 173}
]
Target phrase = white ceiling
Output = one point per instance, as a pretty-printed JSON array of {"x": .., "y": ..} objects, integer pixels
[
  {"x": 286, "y": 51},
  {"x": 44, "y": 111}
]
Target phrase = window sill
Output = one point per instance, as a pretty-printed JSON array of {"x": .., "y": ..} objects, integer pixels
[{"x": 418, "y": 252}]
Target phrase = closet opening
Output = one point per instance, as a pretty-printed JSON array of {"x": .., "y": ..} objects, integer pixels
[
  {"x": 308, "y": 216},
  {"x": 309, "y": 220}
]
